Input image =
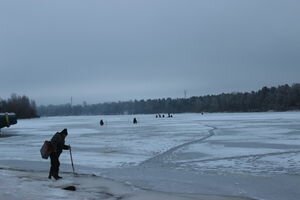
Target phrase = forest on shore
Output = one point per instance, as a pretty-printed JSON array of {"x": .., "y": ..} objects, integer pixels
[
  {"x": 22, "y": 106},
  {"x": 281, "y": 98}
]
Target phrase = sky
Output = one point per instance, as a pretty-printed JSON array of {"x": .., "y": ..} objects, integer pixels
[{"x": 117, "y": 50}]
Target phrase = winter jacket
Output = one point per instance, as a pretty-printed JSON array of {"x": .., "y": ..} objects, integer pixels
[{"x": 58, "y": 143}]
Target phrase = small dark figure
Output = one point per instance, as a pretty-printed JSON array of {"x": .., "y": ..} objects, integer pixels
[
  {"x": 58, "y": 144},
  {"x": 159, "y": 116},
  {"x": 156, "y": 116},
  {"x": 101, "y": 122},
  {"x": 163, "y": 116},
  {"x": 134, "y": 121}
]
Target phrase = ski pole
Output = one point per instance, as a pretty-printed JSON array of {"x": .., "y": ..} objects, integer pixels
[{"x": 72, "y": 160}]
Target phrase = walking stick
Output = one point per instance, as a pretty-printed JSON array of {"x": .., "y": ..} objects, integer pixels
[{"x": 72, "y": 160}]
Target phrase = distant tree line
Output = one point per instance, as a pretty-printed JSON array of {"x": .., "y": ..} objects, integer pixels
[
  {"x": 22, "y": 106},
  {"x": 281, "y": 98}
]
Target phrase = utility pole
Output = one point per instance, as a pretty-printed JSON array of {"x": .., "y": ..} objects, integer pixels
[{"x": 185, "y": 93}]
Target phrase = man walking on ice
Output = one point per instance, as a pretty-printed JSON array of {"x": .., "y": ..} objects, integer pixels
[{"x": 58, "y": 144}]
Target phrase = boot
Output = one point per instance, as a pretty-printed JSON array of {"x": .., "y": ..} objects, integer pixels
[{"x": 57, "y": 177}]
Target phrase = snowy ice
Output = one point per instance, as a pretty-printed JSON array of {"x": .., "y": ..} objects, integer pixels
[{"x": 189, "y": 156}]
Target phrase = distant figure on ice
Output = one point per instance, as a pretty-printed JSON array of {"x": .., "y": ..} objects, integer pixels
[
  {"x": 58, "y": 144},
  {"x": 170, "y": 115},
  {"x": 134, "y": 121},
  {"x": 101, "y": 122}
]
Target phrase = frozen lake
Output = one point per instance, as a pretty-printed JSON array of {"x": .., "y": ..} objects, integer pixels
[{"x": 243, "y": 155}]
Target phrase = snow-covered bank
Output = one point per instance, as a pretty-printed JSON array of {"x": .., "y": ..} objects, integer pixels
[
  {"x": 22, "y": 185},
  {"x": 190, "y": 156}
]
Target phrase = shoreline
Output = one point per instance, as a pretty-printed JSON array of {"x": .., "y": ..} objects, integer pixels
[{"x": 17, "y": 185}]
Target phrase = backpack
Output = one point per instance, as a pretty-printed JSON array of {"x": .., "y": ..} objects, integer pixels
[{"x": 46, "y": 149}]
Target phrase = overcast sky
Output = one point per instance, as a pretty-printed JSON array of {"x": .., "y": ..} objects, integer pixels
[{"x": 98, "y": 51}]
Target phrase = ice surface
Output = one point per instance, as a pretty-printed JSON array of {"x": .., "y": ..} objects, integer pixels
[{"x": 189, "y": 156}]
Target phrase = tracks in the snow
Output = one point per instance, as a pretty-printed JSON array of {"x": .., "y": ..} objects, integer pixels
[
  {"x": 160, "y": 158},
  {"x": 163, "y": 158},
  {"x": 254, "y": 156}
]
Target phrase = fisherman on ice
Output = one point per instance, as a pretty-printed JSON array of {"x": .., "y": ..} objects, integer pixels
[{"x": 58, "y": 145}]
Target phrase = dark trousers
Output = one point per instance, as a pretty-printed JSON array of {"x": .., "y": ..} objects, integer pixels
[{"x": 54, "y": 169}]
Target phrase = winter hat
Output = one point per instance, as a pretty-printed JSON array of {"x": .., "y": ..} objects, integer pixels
[{"x": 65, "y": 131}]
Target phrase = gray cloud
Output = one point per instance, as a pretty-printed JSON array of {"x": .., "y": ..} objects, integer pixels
[{"x": 120, "y": 50}]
